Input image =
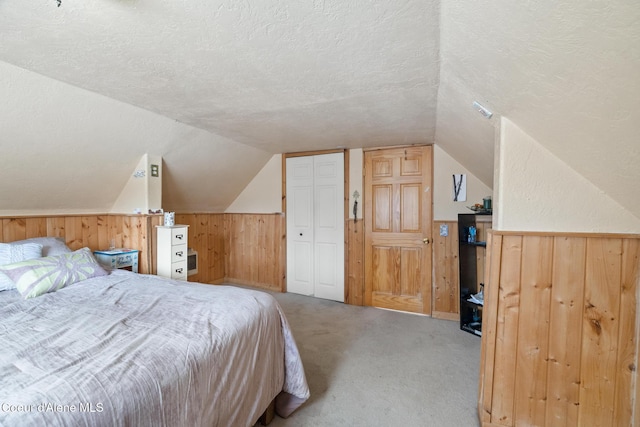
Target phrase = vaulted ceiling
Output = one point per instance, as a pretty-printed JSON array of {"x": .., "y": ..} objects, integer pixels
[{"x": 277, "y": 76}]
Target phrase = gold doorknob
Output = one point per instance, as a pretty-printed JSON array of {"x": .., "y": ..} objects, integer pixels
[{"x": 425, "y": 240}]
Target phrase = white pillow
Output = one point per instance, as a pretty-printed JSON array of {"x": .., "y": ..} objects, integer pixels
[
  {"x": 11, "y": 253},
  {"x": 51, "y": 246}
]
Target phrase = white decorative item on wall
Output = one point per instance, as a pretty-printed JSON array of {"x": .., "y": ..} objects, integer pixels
[
  {"x": 140, "y": 173},
  {"x": 460, "y": 187}
]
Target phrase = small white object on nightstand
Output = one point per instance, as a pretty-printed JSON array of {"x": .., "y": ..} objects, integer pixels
[{"x": 118, "y": 258}]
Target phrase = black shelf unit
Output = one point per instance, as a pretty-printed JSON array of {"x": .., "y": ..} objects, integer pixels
[{"x": 470, "y": 283}]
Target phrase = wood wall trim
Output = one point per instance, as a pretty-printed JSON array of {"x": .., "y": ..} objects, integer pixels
[
  {"x": 77, "y": 215},
  {"x": 387, "y": 147},
  {"x": 314, "y": 153},
  {"x": 566, "y": 234}
]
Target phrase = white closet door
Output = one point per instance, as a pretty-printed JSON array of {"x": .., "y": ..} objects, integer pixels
[
  {"x": 300, "y": 225},
  {"x": 315, "y": 226},
  {"x": 329, "y": 226}
]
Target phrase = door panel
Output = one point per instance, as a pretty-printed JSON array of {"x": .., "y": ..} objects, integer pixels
[
  {"x": 327, "y": 272},
  {"x": 382, "y": 168},
  {"x": 410, "y": 272},
  {"x": 398, "y": 229},
  {"x": 410, "y": 212},
  {"x": 384, "y": 204},
  {"x": 302, "y": 198},
  {"x": 326, "y": 207},
  {"x": 302, "y": 261},
  {"x": 383, "y": 268}
]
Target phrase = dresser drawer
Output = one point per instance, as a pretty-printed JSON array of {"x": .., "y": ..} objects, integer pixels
[
  {"x": 178, "y": 253},
  {"x": 179, "y": 270},
  {"x": 179, "y": 236}
]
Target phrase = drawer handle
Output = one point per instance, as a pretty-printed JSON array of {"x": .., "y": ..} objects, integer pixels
[
  {"x": 179, "y": 236},
  {"x": 179, "y": 253},
  {"x": 179, "y": 270}
]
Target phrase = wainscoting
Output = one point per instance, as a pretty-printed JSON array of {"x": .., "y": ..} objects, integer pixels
[
  {"x": 560, "y": 328},
  {"x": 446, "y": 292},
  {"x": 246, "y": 249},
  {"x": 206, "y": 235},
  {"x": 354, "y": 286},
  {"x": 92, "y": 231},
  {"x": 255, "y": 251},
  {"x": 241, "y": 248}
]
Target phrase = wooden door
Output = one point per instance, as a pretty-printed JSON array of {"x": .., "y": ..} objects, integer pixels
[{"x": 398, "y": 220}]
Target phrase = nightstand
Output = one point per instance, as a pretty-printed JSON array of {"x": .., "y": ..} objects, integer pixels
[{"x": 126, "y": 259}]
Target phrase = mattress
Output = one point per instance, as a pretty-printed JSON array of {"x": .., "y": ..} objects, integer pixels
[{"x": 140, "y": 350}]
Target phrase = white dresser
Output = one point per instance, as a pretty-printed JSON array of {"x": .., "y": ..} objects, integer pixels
[{"x": 171, "y": 251}]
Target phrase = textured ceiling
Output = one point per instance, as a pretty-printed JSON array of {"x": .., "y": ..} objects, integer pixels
[
  {"x": 277, "y": 75},
  {"x": 567, "y": 73},
  {"x": 281, "y": 76}
]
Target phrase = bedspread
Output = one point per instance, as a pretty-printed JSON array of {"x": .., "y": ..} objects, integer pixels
[{"x": 138, "y": 350}]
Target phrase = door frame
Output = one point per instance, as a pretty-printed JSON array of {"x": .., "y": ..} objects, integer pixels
[
  {"x": 285, "y": 156},
  {"x": 364, "y": 213}
]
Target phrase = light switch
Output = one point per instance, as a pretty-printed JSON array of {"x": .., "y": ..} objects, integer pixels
[{"x": 444, "y": 230}]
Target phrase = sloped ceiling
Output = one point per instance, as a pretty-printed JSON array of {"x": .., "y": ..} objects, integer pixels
[
  {"x": 279, "y": 76},
  {"x": 275, "y": 74},
  {"x": 567, "y": 73}
]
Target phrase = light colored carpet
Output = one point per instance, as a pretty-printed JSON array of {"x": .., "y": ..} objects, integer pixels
[{"x": 373, "y": 367}]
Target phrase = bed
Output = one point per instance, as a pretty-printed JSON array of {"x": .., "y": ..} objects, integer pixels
[{"x": 124, "y": 349}]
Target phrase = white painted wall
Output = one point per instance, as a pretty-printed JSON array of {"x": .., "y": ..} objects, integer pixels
[
  {"x": 141, "y": 193},
  {"x": 264, "y": 192},
  {"x": 444, "y": 208},
  {"x": 536, "y": 191},
  {"x": 134, "y": 197},
  {"x": 356, "y": 160},
  {"x": 66, "y": 150},
  {"x": 154, "y": 184}
]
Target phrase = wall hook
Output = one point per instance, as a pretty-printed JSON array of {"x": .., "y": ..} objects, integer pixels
[{"x": 356, "y": 195}]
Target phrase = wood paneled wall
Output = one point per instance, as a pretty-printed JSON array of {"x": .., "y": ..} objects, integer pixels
[
  {"x": 560, "y": 331},
  {"x": 206, "y": 236},
  {"x": 246, "y": 249},
  {"x": 446, "y": 281},
  {"x": 242, "y": 248},
  {"x": 255, "y": 250},
  {"x": 354, "y": 287},
  {"x": 92, "y": 231}
]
